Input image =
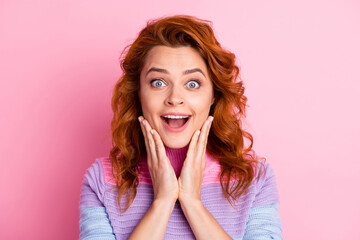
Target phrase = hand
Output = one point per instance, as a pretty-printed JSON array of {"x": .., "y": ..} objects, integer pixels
[
  {"x": 161, "y": 171},
  {"x": 192, "y": 173}
]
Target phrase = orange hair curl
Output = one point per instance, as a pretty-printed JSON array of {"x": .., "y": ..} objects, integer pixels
[{"x": 226, "y": 136}]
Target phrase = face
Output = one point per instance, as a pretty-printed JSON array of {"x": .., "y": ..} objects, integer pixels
[{"x": 176, "y": 93}]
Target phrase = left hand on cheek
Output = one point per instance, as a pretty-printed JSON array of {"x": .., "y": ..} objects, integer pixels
[{"x": 191, "y": 176}]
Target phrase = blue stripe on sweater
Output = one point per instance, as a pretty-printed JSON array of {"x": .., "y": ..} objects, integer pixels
[
  {"x": 264, "y": 223},
  {"x": 95, "y": 224}
]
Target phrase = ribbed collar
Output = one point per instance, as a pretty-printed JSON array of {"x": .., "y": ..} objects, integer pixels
[{"x": 177, "y": 157}]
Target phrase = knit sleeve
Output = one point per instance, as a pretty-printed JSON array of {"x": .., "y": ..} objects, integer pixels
[
  {"x": 264, "y": 221},
  {"x": 94, "y": 222}
]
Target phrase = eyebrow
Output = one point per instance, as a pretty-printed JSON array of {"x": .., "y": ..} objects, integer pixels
[{"x": 161, "y": 70}]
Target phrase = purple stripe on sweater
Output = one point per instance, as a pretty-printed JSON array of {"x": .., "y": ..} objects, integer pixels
[
  {"x": 261, "y": 192},
  {"x": 93, "y": 186},
  {"x": 267, "y": 192}
]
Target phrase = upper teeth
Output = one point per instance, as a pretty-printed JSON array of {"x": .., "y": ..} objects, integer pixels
[{"x": 175, "y": 117}]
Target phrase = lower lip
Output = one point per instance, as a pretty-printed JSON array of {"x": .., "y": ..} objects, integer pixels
[{"x": 180, "y": 129}]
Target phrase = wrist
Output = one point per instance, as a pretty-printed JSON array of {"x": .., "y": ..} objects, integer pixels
[
  {"x": 164, "y": 203},
  {"x": 188, "y": 204}
]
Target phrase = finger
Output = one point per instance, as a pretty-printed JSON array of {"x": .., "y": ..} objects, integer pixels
[
  {"x": 163, "y": 160},
  {"x": 151, "y": 142},
  {"x": 193, "y": 144},
  {"x": 197, "y": 146},
  {"x": 142, "y": 126},
  {"x": 149, "y": 160},
  {"x": 207, "y": 132},
  {"x": 159, "y": 145},
  {"x": 204, "y": 143},
  {"x": 146, "y": 134},
  {"x": 203, "y": 138}
]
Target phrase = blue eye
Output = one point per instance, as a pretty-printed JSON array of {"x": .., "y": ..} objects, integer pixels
[
  {"x": 157, "y": 83},
  {"x": 193, "y": 84}
]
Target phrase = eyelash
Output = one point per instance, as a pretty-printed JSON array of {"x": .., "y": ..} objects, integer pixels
[
  {"x": 157, "y": 79},
  {"x": 154, "y": 80}
]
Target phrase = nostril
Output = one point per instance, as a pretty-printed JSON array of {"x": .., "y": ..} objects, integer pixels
[{"x": 174, "y": 100}]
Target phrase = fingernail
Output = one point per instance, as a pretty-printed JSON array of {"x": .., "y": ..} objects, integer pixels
[
  {"x": 207, "y": 122},
  {"x": 151, "y": 131},
  {"x": 143, "y": 122},
  {"x": 211, "y": 119},
  {"x": 197, "y": 132},
  {"x": 139, "y": 118}
]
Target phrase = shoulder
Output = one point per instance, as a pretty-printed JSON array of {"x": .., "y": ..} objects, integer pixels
[
  {"x": 94, "y": 168},
  {"x": 92, "y": 188},
  {"x": 102, "y": 169},
  {"x": 100, "y": 172},
  {"x": 107, "y": 170},
  {"x": 263, "y": 171},
  {"x": 265, "y": 184}
]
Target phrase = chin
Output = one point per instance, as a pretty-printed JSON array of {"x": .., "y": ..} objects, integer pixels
[{"x": 172, "y": 144}]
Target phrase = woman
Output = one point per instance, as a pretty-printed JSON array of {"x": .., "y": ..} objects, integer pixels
[{"x": 178, "y": 168}]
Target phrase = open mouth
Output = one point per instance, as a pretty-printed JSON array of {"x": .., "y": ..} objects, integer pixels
[{"x": 175, "y": 122}]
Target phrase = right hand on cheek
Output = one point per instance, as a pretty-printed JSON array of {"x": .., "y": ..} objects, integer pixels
[{"x": 163, "y": 176}]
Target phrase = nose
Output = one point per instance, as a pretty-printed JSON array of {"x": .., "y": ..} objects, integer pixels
[{"x": 174, "y": 98}]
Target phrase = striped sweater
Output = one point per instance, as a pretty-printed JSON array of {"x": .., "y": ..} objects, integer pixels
[{"x": 255, "y": 215}]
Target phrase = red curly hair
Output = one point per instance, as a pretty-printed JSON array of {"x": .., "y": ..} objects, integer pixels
[{"x": 226, "y": 136}]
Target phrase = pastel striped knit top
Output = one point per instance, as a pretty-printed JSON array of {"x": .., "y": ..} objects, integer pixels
[{"x": 255, "y": 215}]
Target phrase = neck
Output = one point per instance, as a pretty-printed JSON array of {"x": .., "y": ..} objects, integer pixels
[{"x": 177, "y": 157}]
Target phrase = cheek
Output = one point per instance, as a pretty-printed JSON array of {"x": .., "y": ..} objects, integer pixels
[
  {"x": 201, "y": 107},
  {"x": 150, "y": 105},
  {"x": 201, "y": 104}
]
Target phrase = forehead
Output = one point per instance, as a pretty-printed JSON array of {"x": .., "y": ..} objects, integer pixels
[{"x": 174, "y": 58}]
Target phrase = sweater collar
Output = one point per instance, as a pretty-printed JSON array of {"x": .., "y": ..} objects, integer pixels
[{"x": 177, "y": 157}]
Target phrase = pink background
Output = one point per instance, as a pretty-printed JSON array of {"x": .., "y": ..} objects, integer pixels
[{"x": 300, "y": 63}]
